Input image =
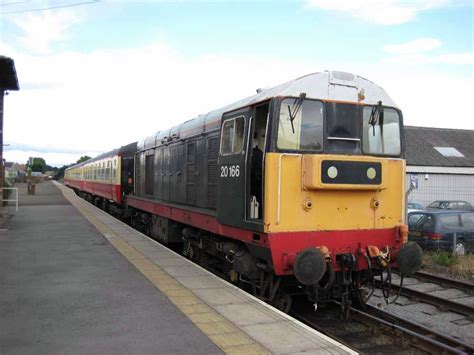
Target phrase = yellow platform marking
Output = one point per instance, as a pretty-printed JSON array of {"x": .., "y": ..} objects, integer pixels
[{"x": 222, "y": 332}]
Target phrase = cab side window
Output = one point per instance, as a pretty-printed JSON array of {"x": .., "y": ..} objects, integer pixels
[{"x": 232, "y": 137}]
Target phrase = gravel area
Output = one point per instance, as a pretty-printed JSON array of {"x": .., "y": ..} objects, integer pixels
[{"x": 452, "y": 324}]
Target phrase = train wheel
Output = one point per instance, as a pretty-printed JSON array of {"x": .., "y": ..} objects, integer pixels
[{"x": 282, "y": 302}]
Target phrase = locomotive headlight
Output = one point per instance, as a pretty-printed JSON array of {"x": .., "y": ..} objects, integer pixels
[
  {"x": 371, "y": 173},
  {"x": 332, "y": 172}
]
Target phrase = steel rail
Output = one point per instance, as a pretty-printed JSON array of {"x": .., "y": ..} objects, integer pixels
[
  {"x": 404, "y": 332},
  {"x": 444, "y": 303},
  {"x": 419, "y": 333},
  {"x": 442, "y": 281},
  {"x": 461, "y": 285}
]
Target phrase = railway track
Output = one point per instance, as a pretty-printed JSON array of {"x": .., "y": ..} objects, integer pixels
[
  {"x": 376, "y": 331},
  {"x": 442, "y": 303},
  {"x": 444, "y": 282}
]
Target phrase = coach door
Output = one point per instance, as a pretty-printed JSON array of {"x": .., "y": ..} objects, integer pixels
[{"x": 231, "y": 168}]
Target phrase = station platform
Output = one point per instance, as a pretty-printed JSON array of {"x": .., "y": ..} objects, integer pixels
[{"x": 76, "y": 280}]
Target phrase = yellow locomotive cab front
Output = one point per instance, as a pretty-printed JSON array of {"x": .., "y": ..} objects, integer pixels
[{"x": 297, "y": 199}]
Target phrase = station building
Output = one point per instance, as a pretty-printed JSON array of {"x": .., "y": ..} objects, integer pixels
[{"x": 440, "y": 162}]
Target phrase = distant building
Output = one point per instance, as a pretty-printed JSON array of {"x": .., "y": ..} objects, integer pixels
[
  {"x": 15, "y": 172},
  {"x": 441, "y": 163}
]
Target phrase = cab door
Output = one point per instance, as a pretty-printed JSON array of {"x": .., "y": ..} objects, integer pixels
[{"x": 231, "y": 168}]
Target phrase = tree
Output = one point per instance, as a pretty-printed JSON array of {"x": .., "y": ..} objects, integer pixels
[
  {"x": 38, "y": 165},
  {"x": 83, "y": 158},
  {"x": 60, "y": 173}
]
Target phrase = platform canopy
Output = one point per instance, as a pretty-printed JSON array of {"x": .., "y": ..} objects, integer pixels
[{"x": 8, "y": 77}]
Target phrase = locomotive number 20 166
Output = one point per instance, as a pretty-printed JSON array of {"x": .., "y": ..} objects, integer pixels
[{"x": 230, "y": 171}]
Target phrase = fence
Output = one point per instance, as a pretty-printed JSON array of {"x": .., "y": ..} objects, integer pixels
[{"x": 11, "y": 200}]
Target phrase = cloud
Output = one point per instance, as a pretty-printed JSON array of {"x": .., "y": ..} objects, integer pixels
[
  {"x": 416, "y": 46},
  {"x": 46, "y": 148},
  {"x": 53, "y": 159},
  {"x": 39, "y": 31},
  {"x": 71, "y": 103},
  {"x": 382, "y": 12},
  {"x": 454, "y": 58},
  {"x": 414, "y": 52},
  {"x": 97, "y": 101},
  {"x": 426, "y": 97},
  {"x": 420, "y": 59}
]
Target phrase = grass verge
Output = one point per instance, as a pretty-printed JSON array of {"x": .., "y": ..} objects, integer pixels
[{"x": 446, "y": 264}]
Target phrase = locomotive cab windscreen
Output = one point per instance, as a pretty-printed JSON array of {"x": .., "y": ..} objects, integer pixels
[{"x": 317, "y": 127}]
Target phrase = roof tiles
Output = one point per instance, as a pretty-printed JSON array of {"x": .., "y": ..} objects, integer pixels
[{"x": 420, "y": 143}]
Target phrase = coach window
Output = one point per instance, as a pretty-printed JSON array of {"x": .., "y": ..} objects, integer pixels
[
  {"x": 232, "y": 140},
  {"x": 300, "y": 125}
]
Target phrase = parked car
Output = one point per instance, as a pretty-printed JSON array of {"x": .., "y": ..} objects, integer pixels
[
  {"x": 450, "y": 205},
  {"x": 414, "y": 206},
  {"x": 435, "y": 229}
]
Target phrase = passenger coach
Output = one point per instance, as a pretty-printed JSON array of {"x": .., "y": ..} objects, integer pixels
[{"x": 105, "y": 179}]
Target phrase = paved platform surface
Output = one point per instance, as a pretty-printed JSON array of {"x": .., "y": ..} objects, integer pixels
[
  {"x": 64, "y": 289},
  {"x": 74, "y": 293},
  {"x": 46, "y": 194}
]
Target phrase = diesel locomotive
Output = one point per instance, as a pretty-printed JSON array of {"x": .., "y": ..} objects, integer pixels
[{"x": 298, "y": 189}]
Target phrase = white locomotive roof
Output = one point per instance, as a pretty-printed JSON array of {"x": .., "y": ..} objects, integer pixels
[{"x": 327, "y": 86}]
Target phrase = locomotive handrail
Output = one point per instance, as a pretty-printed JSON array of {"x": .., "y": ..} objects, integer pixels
[
  {"x": 279, "y": 181},
  {"x": 343, "y": 139}
]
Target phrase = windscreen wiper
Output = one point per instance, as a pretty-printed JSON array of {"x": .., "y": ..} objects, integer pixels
[
  {"x": 376, "y": 116},
  {"x": 297, "y": 106}
]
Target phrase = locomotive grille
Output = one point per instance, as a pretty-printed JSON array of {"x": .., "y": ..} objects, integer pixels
[
  {"x": 213, "y": 151},
  {"x": 213, "y": 148},
  {"x": 190, "y": 194},
  {"x": 190, "y": 180},
  {"x": 190, "y": 173}
]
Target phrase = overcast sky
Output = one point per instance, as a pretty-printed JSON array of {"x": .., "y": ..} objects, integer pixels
[{"x": 100, "y": 75}]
